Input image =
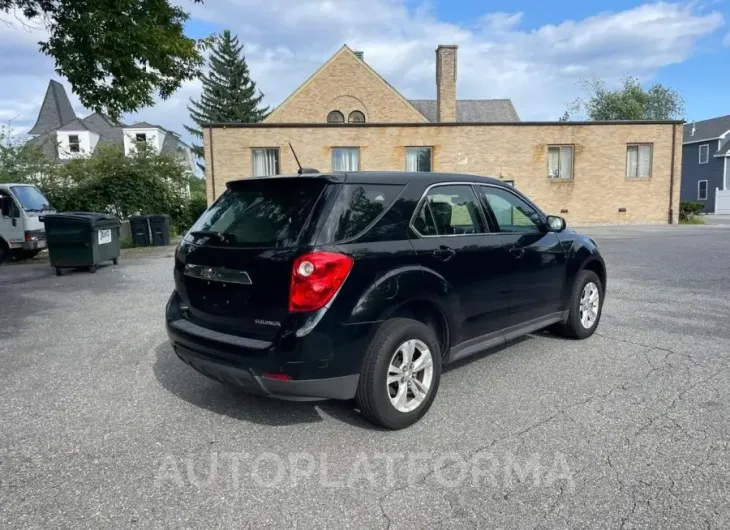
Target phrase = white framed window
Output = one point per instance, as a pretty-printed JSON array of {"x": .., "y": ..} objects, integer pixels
[
  {"x": 140, "y": 138},
  {"x": 704, "y": 153},
  {"x": 345, "y": 159},
  {"x": 265, "y": 161},
  {"x": 560, "y": 161},
  {"x": 638, "y": 161},
  {"x": 418, "y": 159},
  {"x": 702, "y": 190},
  {"x": 74, "y": 144}
]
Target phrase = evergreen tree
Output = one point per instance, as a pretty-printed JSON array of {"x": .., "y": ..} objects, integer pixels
[{"x": 229, "y": 94}]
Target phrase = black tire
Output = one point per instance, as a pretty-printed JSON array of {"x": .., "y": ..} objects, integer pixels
[
  {"x": 573, "y": 328},
  {"x": 4, "y": 250},
  {"x": 58, "y": 271},
  {"x": 115, "y": 261},
  {"x": 92, "y": 269},
  {"x": 372, "y": 392}
]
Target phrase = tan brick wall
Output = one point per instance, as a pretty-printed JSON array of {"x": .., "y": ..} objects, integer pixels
[
  {"x": 519, "y": 152},
  {"x": 446, "y": 83},
  {"x": 345, "y": 84}
]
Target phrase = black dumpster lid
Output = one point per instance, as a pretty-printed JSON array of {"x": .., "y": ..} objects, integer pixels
[{"x": 91, "y": 217}]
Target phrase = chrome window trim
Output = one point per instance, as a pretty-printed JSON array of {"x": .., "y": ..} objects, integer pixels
[{"x": 442, "y": 184}]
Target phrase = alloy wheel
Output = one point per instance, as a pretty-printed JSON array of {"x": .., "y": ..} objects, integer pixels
[
  {"x": 410, "y": 375},
  {"x": 589, "y": 305}
]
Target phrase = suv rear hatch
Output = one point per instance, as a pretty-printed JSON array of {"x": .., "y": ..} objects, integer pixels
[{"x": 234, "y": 267}]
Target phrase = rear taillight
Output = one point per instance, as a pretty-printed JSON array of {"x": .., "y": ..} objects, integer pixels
[{"x": 315, "y": 279}]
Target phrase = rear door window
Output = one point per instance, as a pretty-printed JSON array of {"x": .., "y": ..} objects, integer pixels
[
  {"x": 359, "y": 205},
  {"x": 449, "y": 210},
  {"x": 261, "y": 213}
]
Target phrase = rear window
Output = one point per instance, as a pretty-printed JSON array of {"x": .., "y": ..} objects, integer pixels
[
  {"x": 267, "y": 213},
  {"x": 359, "y": 205}
]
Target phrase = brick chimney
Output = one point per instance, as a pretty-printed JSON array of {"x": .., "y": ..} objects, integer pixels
[{"x": 446, "y": 83}]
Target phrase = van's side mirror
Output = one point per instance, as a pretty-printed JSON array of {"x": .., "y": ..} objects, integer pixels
[{"x": 555, "y": 223}]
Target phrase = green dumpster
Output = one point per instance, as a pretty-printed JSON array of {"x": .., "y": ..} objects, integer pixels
[{"x": 81, "y": 239}]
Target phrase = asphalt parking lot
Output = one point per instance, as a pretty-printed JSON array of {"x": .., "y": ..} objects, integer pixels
[{"x": 102, "y": 427}]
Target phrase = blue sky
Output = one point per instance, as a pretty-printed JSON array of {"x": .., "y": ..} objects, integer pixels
[{"x": 531, "y": 52}]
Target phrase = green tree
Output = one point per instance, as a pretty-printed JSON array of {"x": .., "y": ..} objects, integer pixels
[
  {"x": 630, "y": 102},
  {"x": 229, "y": 94},
  {"x": 22, "y": 162},
  {"x": 116, "y": 53}
]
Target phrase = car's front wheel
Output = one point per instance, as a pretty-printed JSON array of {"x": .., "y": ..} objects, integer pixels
[
  {"x": 586, "y": 304},
  {"x": 400, "y": 375}
]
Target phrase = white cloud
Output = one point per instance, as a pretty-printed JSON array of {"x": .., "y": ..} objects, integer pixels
[
  {"x": 287, "y": 40},
  {"x": 538, "y": 68}
]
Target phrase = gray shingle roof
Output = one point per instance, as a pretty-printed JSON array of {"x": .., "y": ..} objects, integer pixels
[
  {"x": 47, "y": 143},
  {"x": 56, "y": 110},
  {"x": 706, "y": 129},
  {"x": 108, "y": 131},
  {"x": 145, "y": 125},
  {"x": 75, "y": 125},
  {"x": 471, "y": 110},
  {"x": 724, "y": 148}
]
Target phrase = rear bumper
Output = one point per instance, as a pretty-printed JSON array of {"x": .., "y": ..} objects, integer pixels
[
  {"x": 316, "y": 367},
  {"x": 343, "y": 387},
  {"x": 34, "y": 245}
]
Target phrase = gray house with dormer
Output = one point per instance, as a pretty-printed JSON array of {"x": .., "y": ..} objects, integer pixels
[
  {"x": 706, "y": 164},
  {"x": 63, "y": 136}
]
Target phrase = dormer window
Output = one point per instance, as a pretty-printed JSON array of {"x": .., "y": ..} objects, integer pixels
[
  {"x": 74, "y": 145},
  {"x": 335, "y": 117},
  {"x": 141, "y": 138},
  {"x": 356, "y": 117}
]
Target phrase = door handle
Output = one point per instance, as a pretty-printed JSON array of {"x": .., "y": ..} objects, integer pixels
[
  {"x": 444, "y": 253},
  {"x": 517, "y": 252}
]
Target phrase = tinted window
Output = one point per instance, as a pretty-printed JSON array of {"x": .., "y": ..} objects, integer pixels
[
  {"x": 512, "y": 213},
  {"x": 359, "y": 205},
  {"x": 450, "y": 210},
  {"x": 261, "y": 213}
]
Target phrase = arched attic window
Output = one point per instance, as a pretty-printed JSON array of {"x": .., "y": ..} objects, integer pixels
[
  {"x": 356, "y": 117},
  {"x": 335, "y": 117}
]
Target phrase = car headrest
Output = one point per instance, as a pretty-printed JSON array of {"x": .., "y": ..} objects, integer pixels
[{"x": 441, "y": 213}]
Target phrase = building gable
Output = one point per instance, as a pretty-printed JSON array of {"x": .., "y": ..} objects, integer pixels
[{"x": 345, "y": 83}]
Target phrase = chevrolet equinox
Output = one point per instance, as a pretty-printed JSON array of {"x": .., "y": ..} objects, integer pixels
[{"x": 364, "y": 285}]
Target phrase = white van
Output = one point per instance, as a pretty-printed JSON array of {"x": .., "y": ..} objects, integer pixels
[{"x": 22, "y": 234}]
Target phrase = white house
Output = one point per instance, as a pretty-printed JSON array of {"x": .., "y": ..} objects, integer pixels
[{"x": 62, "y": 135}]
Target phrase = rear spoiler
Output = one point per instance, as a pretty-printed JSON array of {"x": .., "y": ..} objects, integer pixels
[{"x": 336, "y": 178}]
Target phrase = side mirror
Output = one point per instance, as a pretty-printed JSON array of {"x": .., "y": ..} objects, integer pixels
[{"x": 555, "y": 223}]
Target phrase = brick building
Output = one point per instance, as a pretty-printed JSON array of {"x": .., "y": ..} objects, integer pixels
[{"x": 347, "y": 117}]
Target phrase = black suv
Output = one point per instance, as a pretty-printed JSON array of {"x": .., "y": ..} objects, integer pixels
[{"x": 363, "y": 285}]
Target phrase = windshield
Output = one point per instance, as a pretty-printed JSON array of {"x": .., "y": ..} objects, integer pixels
[
  {"x": 264, "y": 213},
  {"x": 30, "y": 198}
]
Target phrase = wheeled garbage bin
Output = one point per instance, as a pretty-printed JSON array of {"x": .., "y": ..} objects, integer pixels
[
  {"x": 140, "y": 227},
  {"x": 81, "y": 239},
  {"x": 160, "y": 229}
]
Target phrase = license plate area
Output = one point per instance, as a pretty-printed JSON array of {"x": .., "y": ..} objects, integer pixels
[{"x": 217, "y": 298}]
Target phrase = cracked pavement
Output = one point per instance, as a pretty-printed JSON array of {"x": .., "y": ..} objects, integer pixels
[{"x": 102, "y": 427}]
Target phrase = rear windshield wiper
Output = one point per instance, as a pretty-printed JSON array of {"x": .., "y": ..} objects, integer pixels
[{"x": 223, "y": 237}]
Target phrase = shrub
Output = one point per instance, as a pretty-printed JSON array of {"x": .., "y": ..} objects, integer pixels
[{"x": 689, "y": 210}]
